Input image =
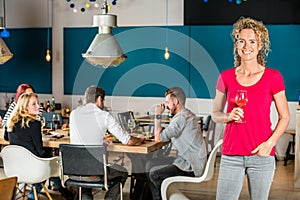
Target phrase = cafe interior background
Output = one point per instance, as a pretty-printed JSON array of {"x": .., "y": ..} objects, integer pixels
[{"x": 196, "y": 33}]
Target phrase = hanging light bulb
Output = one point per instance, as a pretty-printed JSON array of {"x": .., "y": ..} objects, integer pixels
[
  {"x": 48, "y": 52},
  {"x": 48, "y": 55},
  {"x": 167, "y": 54}
]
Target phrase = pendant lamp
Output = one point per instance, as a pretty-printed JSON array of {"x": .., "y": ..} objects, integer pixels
[
  {"x": 5, "y": 54},
  {"x": 104, "y": 50}
]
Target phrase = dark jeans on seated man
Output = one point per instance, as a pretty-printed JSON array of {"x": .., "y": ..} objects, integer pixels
[
  {"x": 114, "y": 192},
  {"x": 160, "y": 169},
  {"x": 141, "y": 165}
]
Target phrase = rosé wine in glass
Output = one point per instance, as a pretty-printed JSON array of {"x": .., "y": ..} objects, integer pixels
[{"x": 241, "y": 99}]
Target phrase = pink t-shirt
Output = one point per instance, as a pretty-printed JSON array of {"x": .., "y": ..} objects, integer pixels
[{"x": 241, "y": 139}]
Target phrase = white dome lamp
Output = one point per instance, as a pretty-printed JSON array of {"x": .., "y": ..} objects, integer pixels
[{"x": 104, "y": 50}]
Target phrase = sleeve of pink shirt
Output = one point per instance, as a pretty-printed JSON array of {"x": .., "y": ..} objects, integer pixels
[{"x": 277, "y": 82}]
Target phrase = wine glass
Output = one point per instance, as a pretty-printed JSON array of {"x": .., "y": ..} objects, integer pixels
[
  {"x": 131, "y": 125},
  {"x": 241, "y": 99},
  {"x": 55, "y": 120},
  {"x": 43, "y": 122}
]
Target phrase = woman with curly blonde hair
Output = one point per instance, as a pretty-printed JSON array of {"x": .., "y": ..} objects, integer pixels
[{"x": 249, "y": 147}]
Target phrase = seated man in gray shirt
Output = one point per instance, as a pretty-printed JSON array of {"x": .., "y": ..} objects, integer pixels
[
  {"x": 88, "y": 125},
  {"x": 185, "y": 135}
]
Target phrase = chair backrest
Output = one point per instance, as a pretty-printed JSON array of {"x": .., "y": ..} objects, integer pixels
[
  {"x": 2, "y": 113},
  {"x": 123, "y": 119},
  {"x": 48, "y": 118},
  {"x": 8, "y": 188},
  {"x": 19, "y": 161},
  {"x": 210, "y": 165},
  {"x": 209, "y": 132},
  {"x": 83, "y": 160}
]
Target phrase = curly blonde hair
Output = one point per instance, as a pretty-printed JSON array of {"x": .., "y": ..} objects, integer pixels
[
  {"x": 21, "y": 112},
  {"x": 261, "y": 33}
]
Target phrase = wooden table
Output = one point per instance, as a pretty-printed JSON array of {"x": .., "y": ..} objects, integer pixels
[
  {"x": 47, "y": 141},
  {"x": 147, "y": 147}
]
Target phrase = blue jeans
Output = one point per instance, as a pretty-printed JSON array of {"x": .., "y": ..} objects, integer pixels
[
  {"x": 159, "y": 173},
  {"x": 259, "y": 171}
]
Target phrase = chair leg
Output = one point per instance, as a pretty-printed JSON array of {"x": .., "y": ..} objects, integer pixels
[
  {"x": 47, "y": 192},
  {"x": 287, "y": 153},
  {"x": 79, "y": 193},
  {"x": 131, "y": 185},
  {"x": 23, "y": 193},
  {"x": 121, "y": 191},
  {"x": 35, "y": 194}
]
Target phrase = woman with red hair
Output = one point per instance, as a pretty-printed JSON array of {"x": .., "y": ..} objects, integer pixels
[{"x": 23, "y": 88}]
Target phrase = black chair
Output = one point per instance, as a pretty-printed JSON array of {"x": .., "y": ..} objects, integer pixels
[{"x": 87, "y": 160}]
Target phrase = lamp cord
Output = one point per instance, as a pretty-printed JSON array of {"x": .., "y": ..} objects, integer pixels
[
  {"x": 4, "y": 14},
  {"x": 167, "y": 13},
  {"x": 48, "y": 21}
]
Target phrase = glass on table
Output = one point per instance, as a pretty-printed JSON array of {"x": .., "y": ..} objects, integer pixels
[
  {"x": 55, "y": 120},
  {"x": 131, "y": 125},
  {"x": 43, "y": 122}
]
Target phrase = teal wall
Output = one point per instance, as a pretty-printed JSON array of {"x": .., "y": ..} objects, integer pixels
[
  {"x": 198, "y": 55},
  {"x": 28, "y": 64}
]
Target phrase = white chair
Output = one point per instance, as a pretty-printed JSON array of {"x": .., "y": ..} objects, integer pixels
[
  {"x": 20, "y": 162},
  {"x": 207, "y": 175}
]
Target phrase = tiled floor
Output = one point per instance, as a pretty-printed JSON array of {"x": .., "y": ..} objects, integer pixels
[{"x": 282, "y": 187}]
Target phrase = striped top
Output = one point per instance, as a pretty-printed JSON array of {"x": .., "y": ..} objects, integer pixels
[{"x": 10, "y": 110}]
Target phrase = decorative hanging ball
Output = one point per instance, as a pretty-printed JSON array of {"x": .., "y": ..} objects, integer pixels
[
  {"x": 230, "y": 1},
  {"x": 72, "y": 5},
  {"x": 75, "y": 10},
  {"x": 109, "y": 7},
  {"x": 205, "y": 1},
  {"x": 238, "y": 2},
  {"x": 92, "y": 0},
  {"x": 87, "y": 5},
  {"x": 96, "y": 5},
  {"x": 114, "y": 3},
  {"x": 68, "y": 0},
  {"x": 82, "y": 9}
]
